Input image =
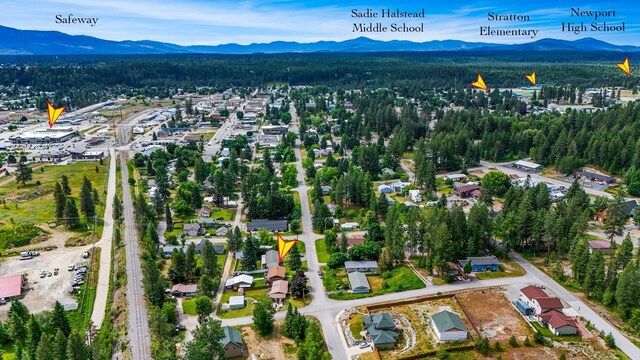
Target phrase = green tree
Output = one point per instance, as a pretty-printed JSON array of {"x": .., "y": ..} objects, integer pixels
[
  {"x": 18, "y": 317},
  {"x": 250, "y": 254},
  {"x": 294, "y": 258},
  {"x": 152, "y": 282},
  {"x": 87, "y": 206},
  {"x": 496, "y": 182},
  {"x": 610, "y": 341},
  {"x": 209, "y": 260},
  {"x": 313, "y": 346},
  {"x": 580, "y": 260},
  {"x": 206, "y": 342},
  {"x": 167, "y": 217},
  {"x": 118, "y": 210},
  {"x": 72, "y": 217},
  {"x": 616, "y": 217},
  {"x": 593, "y": 284},
  {"x": 43, "y": 352},
  {"x": 204, "y": 308},
  {"x": 59, "y": 319},
  {"x": 263, "y": 317},
  {"x": 60, "y": 346},
  {"x": 177, "y": 270},
  {"x": 190, "y": 260},
  {"x": 61, "y": 201},
  {"x": 65, "y": 185},
  {"x": 23, "y": 173},
  {"x": 467, "y": 268}
]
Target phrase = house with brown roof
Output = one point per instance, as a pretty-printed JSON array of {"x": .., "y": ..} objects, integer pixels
[
  {"x": 544, "y": 304},
  {"x": 276, "y": 273},
  {"x": 531, "y": 292},
  {"x": 279, "y": 290},
  {"x": 351, "y": 240},
  {"x": 599, "y": 245},
  {"x": 188, "y": 290},
  {"x": 466, "y": 191},
  {"x": 204, "y": 212},
  {"x": 558, "y": 322}
]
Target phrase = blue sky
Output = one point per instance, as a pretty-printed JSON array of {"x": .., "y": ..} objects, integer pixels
[{"x": 188, "y": 22}]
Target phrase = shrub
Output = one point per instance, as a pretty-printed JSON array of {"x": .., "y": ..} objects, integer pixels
[
  {"x": 527, "y": 342},
  {"x": 442, "y": 354},
  {"x": 513, "y": 342},
  {"x": 386, "y": 274},
  {"x": 497, "y": 346},
  {"x": 610, "y": 341}
]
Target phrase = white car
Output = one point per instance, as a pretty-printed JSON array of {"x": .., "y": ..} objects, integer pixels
[{"x": 71, "y": 267}]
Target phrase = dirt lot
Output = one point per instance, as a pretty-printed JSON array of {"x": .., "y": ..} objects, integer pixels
[
  {"x": 419, "y": 316},
  {"x": 43, "y": 293},
  {"x": 272, "y": 348},
  {"x": 493, "y": 315}
]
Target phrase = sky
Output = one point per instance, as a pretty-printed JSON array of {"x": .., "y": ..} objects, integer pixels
[{"x": 212, "y": 22}]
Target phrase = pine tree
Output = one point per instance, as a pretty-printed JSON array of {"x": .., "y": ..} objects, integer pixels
[
  {"x": 177, "y": 270},
  {"x": 206, "y": 343},
  {"x": 59, "y": 319},
  {"x": 624, "y": 253},
  {"x": 209, "y": 260},
  {"x": 72, "y": 217},
  {"x": 23, "y": 173},
  {"x": 118, "y": 209},
  {"x": 294, "y": 258},
  {"x": 152, "y": 282},
  {"x": 250, "y": 254},
  {"x": 627, "y": 289},
  {"x": 34, "y": 332},
  {"x": 263, "y": 317},
  {"x": 60, "y": 346},
  {"x": 190, "y": 260},
  {"x": 96, "y": 196},
  {"x": 76, "y": 348},
  {"x": 43, "y": 351},
  {"x": 61, "y": 201},
  {"x": 167, "y": 218},
  {"x": 580, "y": 260},
  {"x": 312, "y": 347},
  {"x": 593, "y": 284},
  {"x": 87, "y": 206},
  {"x": 65, "y": 185},
  {"x": 343, "y": 242}
]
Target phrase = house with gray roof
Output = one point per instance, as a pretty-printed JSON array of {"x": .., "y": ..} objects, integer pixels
[
  {"x": 359, "y": 283},
  {"x": 232, "y": 343},
  {"x": 270, "y": 225},
  {"x": 448, "y": 326},
  {"x": 270, "y": 259},
  {"x": 362, "y": 266},
  {"x": 191, "y": 229},
  {"x": 381, "y": 330}
]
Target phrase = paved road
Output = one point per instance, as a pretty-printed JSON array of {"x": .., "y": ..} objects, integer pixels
[
  {"x": 598, "y": 322},
  {"x": 104, "y": 274},
  {"x": 138, "y": 330}
]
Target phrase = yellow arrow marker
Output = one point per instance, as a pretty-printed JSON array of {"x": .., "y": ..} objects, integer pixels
[
  {"x": 531, "y": 78},
  {"x": 625, "y": 66},
  {"x": 480, "y": 83},
  {"x": 284, "y": 246},
  {"x": 54, "y": 113}
]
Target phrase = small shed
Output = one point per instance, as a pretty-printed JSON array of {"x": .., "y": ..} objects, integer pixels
[
  {"x": 236, "y": 302},
  {"x": 448, "y": 326}
]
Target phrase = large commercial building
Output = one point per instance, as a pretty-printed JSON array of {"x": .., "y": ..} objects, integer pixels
[{"x": 44, "y": 136}]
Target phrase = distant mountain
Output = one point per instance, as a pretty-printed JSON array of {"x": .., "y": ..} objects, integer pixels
[{"x": 32, "y": 42}]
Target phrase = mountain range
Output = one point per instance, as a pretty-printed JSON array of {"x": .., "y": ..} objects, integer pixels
[{"x": 35, "y": 42}]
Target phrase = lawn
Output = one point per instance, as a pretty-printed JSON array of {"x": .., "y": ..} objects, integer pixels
[
  {"x": 226, "y": 214},
  {"x": 508, "y": 268},
  {"x": 80, "y": 318},
  {"x": 189, "y": 306},
  {"x": 401, "y": 278},
  {"x": 19, "y": 235},
  {"x": 355, "y": 325},
  {"x": 32, "y": 203},
  {"x": 321, "y": 250},
  {"x": 248, "y": 310}
]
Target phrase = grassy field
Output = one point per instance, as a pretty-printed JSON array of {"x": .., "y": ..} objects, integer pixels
[
  {"x": 19, "y": 235},
  {"x": 248, "y": 310},
  {"x": 189, "y": 306},
  {"x": 401, "y": 278},
  {"x": 508, "y": 268},
  {"x": 32, "y": 203},
  {"x": 355, "y": 325},
  {"x": 226, "y": 214},
  {"x": 321, "y": 250}
]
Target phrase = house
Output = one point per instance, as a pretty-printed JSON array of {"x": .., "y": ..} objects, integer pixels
[
  {"x": 381, "y": 329},
  {"x": 362, "y": 266},
  {"x": 325, "y": 189},
  {"x": 12, "y": 286},
  {"x": 384, "y": 189},
  {"x": 415, "y": 195},
  {"x": 167, "y": 250},
  {"x": 556, "y": 196},
  {"x": 527, "y": 165},
  {"x": 270, "y": 259},
  {"x": 527, "y": 294},
  {"x": 359, "y": 283},
  {"x": 279, "y": 290},
  {"x": 400, "y": 185},
  {"x": 225, "y": 152},
  {"x": 205, "y": 222},
  {"x": 237, "y": 302},
  {"x": 466, "y": 191},
  {"x": 390, "y": 201},
  {"x": 240, "y": 281},
  {"x": 628, "y": 208},
  {"x": 599, "y": 245},
  {"x": 481, "y": 263},
  {"x": 448, "y": 326},
  {"x": 349, "y": 226},
  {"x": 351, "y": 240},
  {"x": 181, "y": 290},
  {"x": 544, "y": 304},
  {"x": 558, "y": 323},
  {"x": 192, "y": 230},
  {"x": 204, "y": 212},
  {"x": 222, "y": 231},
  {"x": 232, "y": 343},
  {"x": 270, "y": 225},
  {"x": 276, "y": 273},
  {"x": 456, "y": 177},
  {"x": 218, "y": 249},
  {"x": 410, "y": 204},
  {"x": 589, "y": 176}
]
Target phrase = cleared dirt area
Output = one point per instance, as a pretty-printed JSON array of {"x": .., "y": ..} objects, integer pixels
[
  {"x": 276, "y": 347},
  {"x": 44, "y": 292},
  {"x": 493, "y": 315}
]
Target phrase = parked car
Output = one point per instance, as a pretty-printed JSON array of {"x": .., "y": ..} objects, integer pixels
[
  {"x": 3, "y": 301},
  {"x": 181, "y": 327},
  {"x": 71, "y": 267}
]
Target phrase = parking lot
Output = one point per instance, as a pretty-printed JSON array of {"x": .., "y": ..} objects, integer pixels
[{"x": 44, "y": 292}]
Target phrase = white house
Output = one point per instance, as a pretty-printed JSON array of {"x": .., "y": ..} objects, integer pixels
[
  {"x": 448, "y": 326},
  {"x": 415, "y": 195},
  {"x": 349, "y": 226},
  {"x": 400, "y": 185}
]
